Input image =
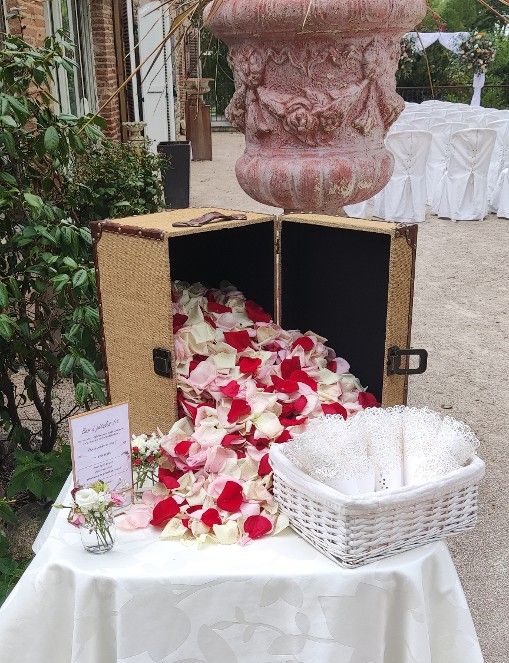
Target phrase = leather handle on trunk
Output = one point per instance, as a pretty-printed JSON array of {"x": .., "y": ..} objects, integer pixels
[{"x": 210, "y": 217}]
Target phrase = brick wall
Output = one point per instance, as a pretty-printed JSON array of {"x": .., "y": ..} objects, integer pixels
[
  {"x": 101, "y": 12},
  {"x": 31, "y": 20}
]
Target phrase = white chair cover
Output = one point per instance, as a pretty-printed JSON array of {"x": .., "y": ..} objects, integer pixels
[
  {"x": 463, "y": 193},
  {"x": 503, "y": 115},
  {"x": 439, "y": 155},
  {"x": 500, "y": 198},
  {"x": 404, "y": 198},
  {"x": 455, "y": 116},
  {"x": 420, "y": 123},
  {"x": 500, "y": 152},
  {"x": 359, "y": 210}
]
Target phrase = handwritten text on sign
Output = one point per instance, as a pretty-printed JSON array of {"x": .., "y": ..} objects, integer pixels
[{"x": 101, "y": 448}]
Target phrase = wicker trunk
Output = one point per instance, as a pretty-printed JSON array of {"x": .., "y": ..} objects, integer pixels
[{"x": 348, "y": 280}]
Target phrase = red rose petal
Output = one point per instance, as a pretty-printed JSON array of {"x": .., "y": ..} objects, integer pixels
[
  {"x": 257, "y": 526},
  {"x": 285, "y": 386},
  {"x": 179, "y": 320},
  {"x": 164, "y": 511},
  {"x": 211, "y": 517},
  {"x": 288, "y": 366},
  {"x": 238, "y": 339},
  {"x": 264, "y": 467},
  {"x": 231, "y": 389},
  {"x": 231, "y": 497},
  {"x": 249, "y": 365},
  {"x": 215, "y": 307},
  {"x": 238, "y": 410},
  {"x": 302, "y": 376},
  {"x": 285, "y": 436},
  {"x": 334, "y": 408},
  {"x": 305, "y": 342},
  {"x": 366, "y": 400},
  {"x": 300, "y": 404},
  {"x": 256, "y": 313},
  {"x": 262, "y": 443},
  {"x": 287, "y": 409},
  {"x": 292, "y": 422},
  {"x": 332, "y": 366},
  {"x": 231, "y": 438},
  {"x": 167, "y": 478},
  {"x": 185, "y": 522},
  {"x": 194, "y": 508},
  {"x": 182, "y": 448},
  {"x": 209, "y": 320}
]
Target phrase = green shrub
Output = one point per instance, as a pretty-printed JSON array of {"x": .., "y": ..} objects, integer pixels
[
  {"x": 115, "y": 180},
  {"x": 48, "y": 314}
]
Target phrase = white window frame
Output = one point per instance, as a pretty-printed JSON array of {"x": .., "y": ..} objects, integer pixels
[{"x": 76, "y": 94}]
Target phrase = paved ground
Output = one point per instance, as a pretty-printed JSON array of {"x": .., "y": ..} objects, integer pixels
[{"x": 461, "y": 317}]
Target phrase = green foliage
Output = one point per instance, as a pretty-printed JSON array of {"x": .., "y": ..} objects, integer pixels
[
  {"x": 462, "y": 15},
  {"x": 113, "y": 180},
  {"x": 47, "y": 294},
  {"x": 10, "y": 569},
  {"x": 215, "y": 65},
  {"x": 57, "y": 173},
  {"x": 41, "y": 474}
]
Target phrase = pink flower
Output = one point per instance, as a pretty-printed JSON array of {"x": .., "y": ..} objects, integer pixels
[
  {"x": 78, "y": 520},
  {"x": 117, "y": 499}
]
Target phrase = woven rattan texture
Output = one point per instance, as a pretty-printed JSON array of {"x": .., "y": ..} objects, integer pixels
[
  {"x": 399, "y": 314},
  {"x": 354, "y": 537},
  {"x": 163, "y": 221},
  {"x": 366, "y": 225},
  {"x": 136, "y": 316}
]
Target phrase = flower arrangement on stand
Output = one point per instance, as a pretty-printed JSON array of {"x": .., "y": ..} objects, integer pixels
[
  {"x": 407, "y": 56},
  {"x": 244, "y": 383},
  {"x": 145, "y": 456},
  {"x": 477, "y": 52},
  {"x": 91, "y": 512}
]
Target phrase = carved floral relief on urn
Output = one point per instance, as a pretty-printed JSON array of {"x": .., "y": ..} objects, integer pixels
[{"x": 315, "y": 94}]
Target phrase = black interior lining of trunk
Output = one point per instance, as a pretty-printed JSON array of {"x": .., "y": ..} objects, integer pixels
[
  {"x": 335, "y": 282},
  {"x": 243, "y": 255}
]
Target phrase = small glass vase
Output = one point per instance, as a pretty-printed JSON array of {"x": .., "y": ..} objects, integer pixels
[
  {"x": 145, "y": 477},
  {"x": 99, "y": 534}
]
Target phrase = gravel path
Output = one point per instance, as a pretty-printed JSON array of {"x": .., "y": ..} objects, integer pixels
[{"x": 461, "y": 318}]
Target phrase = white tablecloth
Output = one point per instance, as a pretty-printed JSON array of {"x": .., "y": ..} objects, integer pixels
[{"x": 276, "y": 600}]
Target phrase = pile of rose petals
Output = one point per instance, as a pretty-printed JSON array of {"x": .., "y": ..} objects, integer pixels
[{"x": 243, "y": 383}]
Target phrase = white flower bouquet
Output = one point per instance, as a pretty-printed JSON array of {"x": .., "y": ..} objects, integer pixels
[
  {"x": 477, "y": 52},
  {"x": 91, "y": 512}
]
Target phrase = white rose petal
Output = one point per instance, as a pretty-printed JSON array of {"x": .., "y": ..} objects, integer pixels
[
  {"x": 173, "y": 530},
  {"x": 228, "y": 533},
  {"x": 269, "y": 425}
]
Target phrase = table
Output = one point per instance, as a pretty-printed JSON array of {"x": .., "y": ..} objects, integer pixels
[{"x": 276, "y": 600}]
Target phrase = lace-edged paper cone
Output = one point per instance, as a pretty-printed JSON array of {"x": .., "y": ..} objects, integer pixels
[{"x": 383, "y": 429}]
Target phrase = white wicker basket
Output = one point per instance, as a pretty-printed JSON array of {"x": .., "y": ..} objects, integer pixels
[{"x": 357, "y": 530}]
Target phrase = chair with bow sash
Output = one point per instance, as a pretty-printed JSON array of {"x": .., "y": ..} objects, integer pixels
[{"x": 463, "y": 191}]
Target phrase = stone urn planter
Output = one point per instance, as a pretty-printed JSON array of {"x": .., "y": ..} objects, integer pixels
[{"x": 315, "y": 95}]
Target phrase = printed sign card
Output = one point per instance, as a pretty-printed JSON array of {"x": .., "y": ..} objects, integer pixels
[{"x": 101, "y": 449}]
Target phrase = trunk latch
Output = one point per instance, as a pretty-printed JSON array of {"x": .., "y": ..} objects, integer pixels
[
  {"x": 162, "y": 362},
  {"x": 395, "y": 356}
]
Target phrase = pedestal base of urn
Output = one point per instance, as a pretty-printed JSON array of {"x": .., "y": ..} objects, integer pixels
[{"x": 319, "y": 182}]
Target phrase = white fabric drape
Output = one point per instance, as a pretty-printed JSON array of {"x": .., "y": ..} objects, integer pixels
[
  {"x": 452, "y": 42},
  {"x": 463, "y": 193},
  {"x": 276, "y": 600},
  {"x": 404, "y": 198}
]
